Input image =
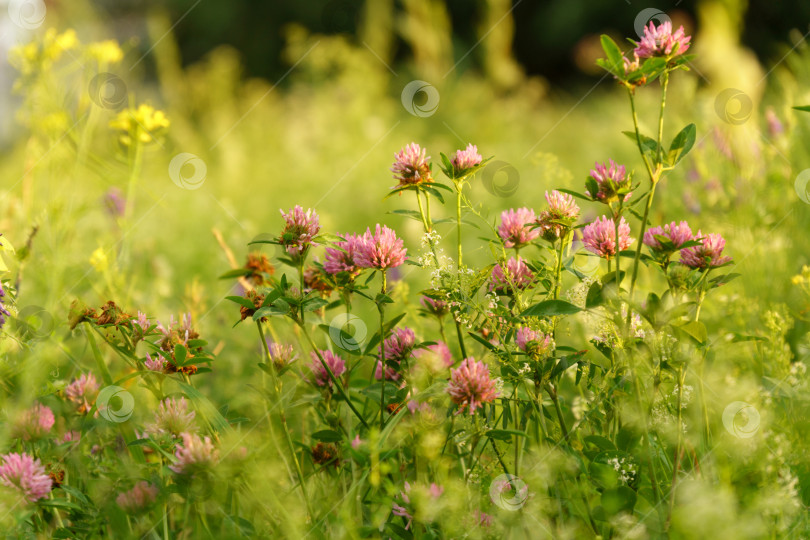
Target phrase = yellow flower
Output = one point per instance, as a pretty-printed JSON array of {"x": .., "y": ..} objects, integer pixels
[
  {"x": 35, "y": 56},
  {"x": 143, "y": 124},
  {"x": 53, "y": 44},
  {"x": 25, "y": 57},
  {"x": 105, "y": 52},
  {"x": 99, "y": 260},
  {"x": 55, "y": 124}
]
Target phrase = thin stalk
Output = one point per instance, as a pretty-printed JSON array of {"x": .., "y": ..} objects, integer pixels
[
  {"x": 700, "y": 303},
  {"x": 616, "y": 219},
  {"x": 654, "y": 176},
  {"x": 679, "y": 446},
  {"x": 381, "y": 309},
  {"x": 423, "y": 215},
  {"x": 458, "y": 223},
  {"x": 427, "y": 223},
  {"x": 653, "y": 182},
  {"x": 558, "y": 270},
  {"x": 283, "y": 417},
  {"x": 552, "y": 392},
  {"x": 461, "y": 340},
  {"x": 664, "y": 84},
  {"x": 301, "y": 286}
]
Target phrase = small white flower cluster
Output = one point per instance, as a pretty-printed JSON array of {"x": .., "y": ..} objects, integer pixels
[
  {"x": 491, "y": 301},
  {"x": 607, "y": 332},
  {"x": 498, "y": 385},
  {"x": 430, "y": 239},
  {"x": 525, "y": 369},
  {"x": 578, "y": 294},
  {"x": 628, "y": 527},
  {"x": 464, "y": 319},
  {"x": 606, "y": 335},
  {"x": 626, "y": 469},
  {"x": 442, "y": 268},
  {"x": 782, "y": 496},
  {"x": 636, "y": 323},
  {"x": 797, "y": 373},
  {"x": 664, "y": 344},
  {"x": 685, "y": 398}
]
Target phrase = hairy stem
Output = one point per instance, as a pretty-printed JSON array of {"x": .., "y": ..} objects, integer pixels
[
  {"x": 381, "y": 309},
  {"x": 458, "y": 223}
]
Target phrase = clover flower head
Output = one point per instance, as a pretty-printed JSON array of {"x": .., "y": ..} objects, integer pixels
[
  {"x": 661, "y": 41},
  {"x": 516, "y": 229},
  {"x": 140, "y": 497},
  {"x": 341, "y": 257},
  {"x": 435, "y": 306},
  {"x": 470, "y": 385},
  {"x": 631, "y": 66},
  {"x": 194, "y": 453},
  {"x": 534, "y": 343},
  {"x": 173, "y": 418},
  {"x": 336, "y": 364},
  {"x": 281, "y": 355},
  {"x": 35, "y": 423},
  {"x": 561, "y": 214},
  {"x": 26, "y": 475},
  {"x": 515, "y": 274},
  {"x": 299, "y": 230},
  {"x": 158, "y": 363},
  {"x": 707, "y": 255},
  {"x": 399, "y": 345},
  {"x": 380, "y": 250},
  {"x": 609, "y": 178},
  {"x": 466, "y": 159},
  {"x": 82, "y": 390},
  {"x": 600, "y": 237},
  {"x": 677, "y": 233},
  {"x": 411, "y": 166}
]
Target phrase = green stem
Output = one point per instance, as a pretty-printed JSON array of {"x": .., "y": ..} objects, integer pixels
[
  {"x": 283, "y": 417},
  {"x": 700, "y": 304},
  {"x": 679, "y": 446},
  {"x": 381, "y": 309},
  {"x": 640, "y": 241},
  {"x": 426, "y": 222},
  {"x": 424, "y": 217},
  {"x": 458, "y": 223},
  {"x": 552, "y": 392},
  {"x": 664, "y": 84},
  {"x": 558, "y": 270},
  {"x": 616, "y": 219},
  {"x": 301, "y": 285},
  {"x": 461, "y": 340}
]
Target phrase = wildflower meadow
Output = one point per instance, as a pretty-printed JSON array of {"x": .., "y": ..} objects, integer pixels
[{"x": 389, "y": 297}]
